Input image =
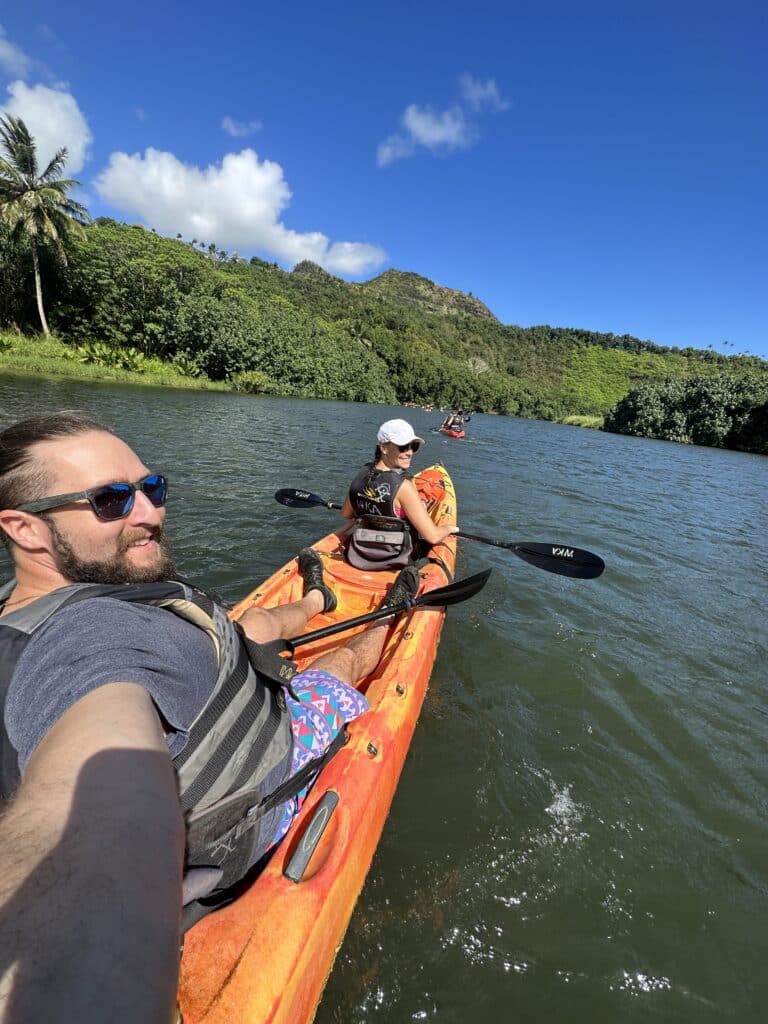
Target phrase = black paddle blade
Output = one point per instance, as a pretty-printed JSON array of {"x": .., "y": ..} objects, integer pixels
[
  {"x": 561, "y": 559},
  {"x": 558, "y": 558},
  {"x": 300, "y": 499},
  {"x": 459, "y": 590}
]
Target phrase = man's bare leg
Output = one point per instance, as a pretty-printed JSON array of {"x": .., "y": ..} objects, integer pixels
[
  {"x": 286, "y": 620},
  {"x": 359, "y": 657}
]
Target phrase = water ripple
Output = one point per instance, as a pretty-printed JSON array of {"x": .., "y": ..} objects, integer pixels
[{"x": 581, "y": 825}]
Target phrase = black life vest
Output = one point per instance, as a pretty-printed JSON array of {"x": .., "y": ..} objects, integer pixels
[
  {"x": 379, "y": 538},
  {"x": 234, "y": 770}
]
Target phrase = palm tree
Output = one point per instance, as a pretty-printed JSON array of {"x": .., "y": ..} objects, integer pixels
[{"x": 36, "y": 206}]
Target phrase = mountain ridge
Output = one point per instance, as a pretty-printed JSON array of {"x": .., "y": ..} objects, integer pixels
[{"x": 305, "y": 332}]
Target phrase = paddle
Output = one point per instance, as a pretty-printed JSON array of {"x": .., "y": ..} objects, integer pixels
[
  {"x": 442, "y": 597},
  {"x": 302, "y": 499},
  {"x": 558, "y": 558}
]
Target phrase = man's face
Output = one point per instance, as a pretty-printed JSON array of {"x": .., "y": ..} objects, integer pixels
[{"x": 85, "y": 549}]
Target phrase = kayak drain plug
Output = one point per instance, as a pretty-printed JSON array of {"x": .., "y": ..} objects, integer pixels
[
  {"x": 400, "y": 689},
  {"x": 372, "y": 750}
]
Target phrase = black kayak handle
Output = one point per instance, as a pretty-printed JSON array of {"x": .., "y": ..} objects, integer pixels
[{"x": 297, "y": 865}]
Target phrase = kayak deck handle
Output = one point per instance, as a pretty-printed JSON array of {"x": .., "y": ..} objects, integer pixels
[{"x": 297, "y": 865}]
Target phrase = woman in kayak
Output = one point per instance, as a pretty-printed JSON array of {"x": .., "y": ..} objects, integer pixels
[{"x": 388, "y": 512}]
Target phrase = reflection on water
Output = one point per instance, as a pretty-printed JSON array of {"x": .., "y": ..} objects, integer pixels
[{"x": 580, "y": 830}]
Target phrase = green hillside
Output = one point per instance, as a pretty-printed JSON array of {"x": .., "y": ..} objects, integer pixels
[{"x": 127, "y": 296}]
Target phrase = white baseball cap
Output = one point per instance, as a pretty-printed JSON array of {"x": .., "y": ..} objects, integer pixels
[{"x": 398, "y": 432}]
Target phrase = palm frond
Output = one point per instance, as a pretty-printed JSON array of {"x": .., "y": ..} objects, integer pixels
[
  {"x": 55, "y": 166},
  {"x": 19, "y": 145},
  {"x": 10, "y": 172},
  {"x": 62, "y": 184},
  {"x": 76, "y": 212}
]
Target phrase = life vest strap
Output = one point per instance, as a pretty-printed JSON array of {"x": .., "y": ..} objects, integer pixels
[{"x": 203, "y": 823}]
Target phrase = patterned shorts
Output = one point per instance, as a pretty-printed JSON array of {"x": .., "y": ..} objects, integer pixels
[{"x": 325, "y": 705}]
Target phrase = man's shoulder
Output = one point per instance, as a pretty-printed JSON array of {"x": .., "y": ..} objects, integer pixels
[
  {"x": 101, "y": 640},
  {"x": 96, "y": 632},
  {"x": 108, "y": 615}
]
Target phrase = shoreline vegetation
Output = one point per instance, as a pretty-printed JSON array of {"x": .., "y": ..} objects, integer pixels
[
  {"x": 40, "y": 356},
  {"x": 132, "y": 306},
  {"x": 129, "y": 305}
]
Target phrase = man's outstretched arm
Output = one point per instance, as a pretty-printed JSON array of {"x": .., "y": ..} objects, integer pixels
[{"x": 91, "y": 855}]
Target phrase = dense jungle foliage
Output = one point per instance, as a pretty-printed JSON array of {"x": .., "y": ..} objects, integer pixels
[
  {"x": 127, "y": 295},
  {"x": 721, "y": 412}
]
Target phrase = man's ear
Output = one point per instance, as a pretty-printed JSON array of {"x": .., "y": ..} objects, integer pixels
[{"x": 29, "y": 532}]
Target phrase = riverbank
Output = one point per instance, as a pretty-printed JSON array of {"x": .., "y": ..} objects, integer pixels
[
  {"x": 595, "y": 422},
  {"x": 39, "y": 356}
]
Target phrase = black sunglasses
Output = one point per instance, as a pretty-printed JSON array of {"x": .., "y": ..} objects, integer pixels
[
  {"x": 110, "y": 501},
  {"x": 412, "y": 446}
]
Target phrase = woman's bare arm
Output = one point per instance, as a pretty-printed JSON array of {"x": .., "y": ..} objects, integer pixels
[{"x": 409, "y": 500}]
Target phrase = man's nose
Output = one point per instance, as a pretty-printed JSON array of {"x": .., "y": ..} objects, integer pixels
[{"x": 144, "y": 511}]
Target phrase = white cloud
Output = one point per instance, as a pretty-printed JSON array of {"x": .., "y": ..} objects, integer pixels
[
  {"x": 239, "y": 129},
  {"x": 481, "y": 94},
  {"x": 450, "y": 128},
  {"x": 54, "y": 120},
  {"x": 13, "y": 60},
  {"x": 442, "y": 131},
  {"x": 396, "y": 147},
  {"x": 439, "y": 132},
  {"x": 236, "y": 204}
]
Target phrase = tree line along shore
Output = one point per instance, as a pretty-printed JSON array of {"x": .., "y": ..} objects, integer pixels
[{"x": 118, "y": 301}]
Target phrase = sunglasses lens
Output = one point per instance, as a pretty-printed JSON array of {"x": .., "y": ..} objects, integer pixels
[
  {"x": 115, "y": 501},
  {"x": 156, "y": 489},
  {"x": 112, "y": 501}
]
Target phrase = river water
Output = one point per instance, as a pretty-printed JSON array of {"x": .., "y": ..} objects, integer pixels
[{"x": 580, "y": 830}]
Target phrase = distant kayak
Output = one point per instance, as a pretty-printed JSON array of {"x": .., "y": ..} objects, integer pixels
[
  {"x": 265, "y": 958},
  {"x": 451, "y": 433}
]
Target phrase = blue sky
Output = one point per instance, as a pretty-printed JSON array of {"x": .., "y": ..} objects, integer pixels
[{"x": 594, "y": 165}]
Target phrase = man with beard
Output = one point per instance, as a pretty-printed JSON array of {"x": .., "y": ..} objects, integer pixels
[{"x": 143, "y": 735}]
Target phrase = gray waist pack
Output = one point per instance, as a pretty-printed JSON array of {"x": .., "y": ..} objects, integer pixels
[{"x": 378, "y": 542}]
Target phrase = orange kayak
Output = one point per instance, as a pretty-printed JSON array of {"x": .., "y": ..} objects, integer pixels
[
  {"x": 266, "y": 957},
  {"x": 451, "y": 433}
]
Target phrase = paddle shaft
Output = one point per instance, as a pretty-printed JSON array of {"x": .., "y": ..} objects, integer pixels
[
  {"x": 453, "y": 593},
  {"x": 341, "y": 627},
  {"x": 562, "y": 559}
]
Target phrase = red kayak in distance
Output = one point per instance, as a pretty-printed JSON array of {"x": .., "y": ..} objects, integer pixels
[{"x": 451, "y": 433}]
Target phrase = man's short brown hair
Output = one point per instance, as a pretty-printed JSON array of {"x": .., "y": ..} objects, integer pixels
[{"x": 21, "y": 477}]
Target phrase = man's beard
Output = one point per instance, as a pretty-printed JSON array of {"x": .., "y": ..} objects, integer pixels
[{"x": 117, "y": 568}]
